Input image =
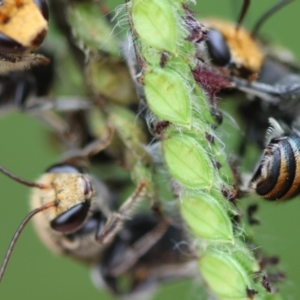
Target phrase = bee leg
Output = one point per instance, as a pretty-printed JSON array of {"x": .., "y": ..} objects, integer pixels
[
  {"x": 70, "y": 104},
  {"x": 81, "y": 156},
  {"x": 43, "y": 108},
  {"x": 175, "y": 271},
  {"x": 264, "y": 91},
  {"x": 99, "y": 144},
  {"x": 53, "y": 121},
  {"x": 115, "y": 222},
  {"x": 129, "y": 258},
  {"x": 286, "y": 89},
  {"x": 61, "y": 104},
  {"x": 141, "y": 246},
  {"x": 22, "y": 91}
]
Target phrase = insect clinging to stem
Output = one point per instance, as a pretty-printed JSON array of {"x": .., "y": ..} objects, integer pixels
[
  {"x": 233, "y": 49},
  {"x": 232, "y": 58},
  {"x": 74, "y": 213},
  {"x": 271, "y": 88}
]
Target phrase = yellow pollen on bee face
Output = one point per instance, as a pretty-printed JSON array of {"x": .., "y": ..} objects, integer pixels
[{"x": 22, "y": 23}]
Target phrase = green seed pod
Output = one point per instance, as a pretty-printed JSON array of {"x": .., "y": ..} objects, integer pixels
[
  {"x": 96, "y": 122},
  {"x": 109, "y": 77},
  {"x": 245, "y": 257},
  {"x": 207, "y": 218},
  {"x": 166, "y": 96},
  {"x": 97, "y": 126},
  {"x": 74, "y": 83},
  {"x": 188, "y": 162},
  {"x": 162, "y": 33},
  {"x": 225, "y": 276},
  {"x": 130, "y": 131},
  {"x": 132, "y": 134},
  {"x": 91, "y": 30}
]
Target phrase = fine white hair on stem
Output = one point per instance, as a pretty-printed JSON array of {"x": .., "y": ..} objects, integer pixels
[
  {"x": 120, "y": 10},
  {"x": 122, "y": 22}
]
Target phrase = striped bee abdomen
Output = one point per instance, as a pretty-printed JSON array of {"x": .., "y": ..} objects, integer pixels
[{"x": 278, "y": 174}]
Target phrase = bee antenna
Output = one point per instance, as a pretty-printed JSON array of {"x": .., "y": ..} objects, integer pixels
[
  {"x": 23, "y": 181},
  {"x": 18, "y": 232},
  {"x": 267, "y": 15},
  {"x": 243, "y": 12}
]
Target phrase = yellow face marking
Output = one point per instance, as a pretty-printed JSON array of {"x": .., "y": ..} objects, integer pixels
[
  {"x": 244, "y": 50},
  {"x": 22, "y": 21},
  {"x": 67, "y": 188}
]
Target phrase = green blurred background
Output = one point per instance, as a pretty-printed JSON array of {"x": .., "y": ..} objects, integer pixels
[{"x": 35, "y": 273}]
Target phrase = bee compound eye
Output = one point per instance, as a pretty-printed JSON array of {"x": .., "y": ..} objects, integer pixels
[
  {"x": 64, "y": 168},
  {"x": 43, "y": 6},
  {"x": 8, "y": 45},
  {"x": 218, "y": 48},
  {"x": 71, "y": 219}
]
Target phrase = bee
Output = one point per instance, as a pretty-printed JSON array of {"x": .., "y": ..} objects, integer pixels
[
  {"x": 275, "y": 93},
  {"x": 273, "y": 88},
  {"x": 264, "y": 74},
  {"x": 228, "y": 51},
  {"x": 75, "y": 204},
  {"x": 76, "y": 215},
  {"x": 23, "y": 27},
  {"x": 233, "y": 49},
  {"x": 277, "y": 175}
]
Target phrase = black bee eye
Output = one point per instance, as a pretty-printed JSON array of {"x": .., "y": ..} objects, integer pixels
[
  {"x": 8, "y": 45},
  {"x": 218, "y": 48},
  {"x": 71, "y": 219},
  {"x": 43, "y": 6}
]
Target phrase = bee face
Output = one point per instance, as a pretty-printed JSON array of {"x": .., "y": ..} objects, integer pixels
[
  {"x": 73, "y": 191},
  {"x": 278, "y": 173},
  {"x": 23, "y": 25},
  {"x": 233, "y": 48}
]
